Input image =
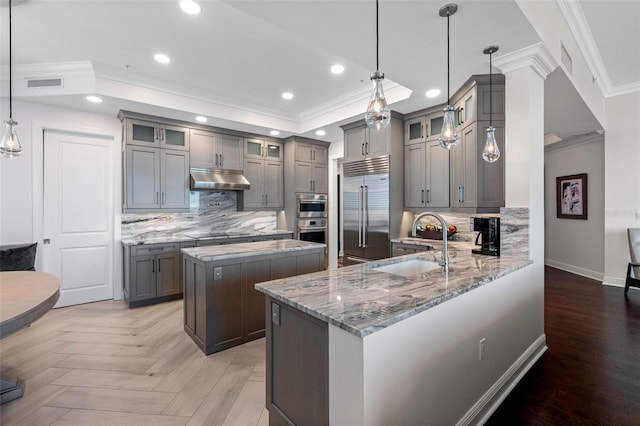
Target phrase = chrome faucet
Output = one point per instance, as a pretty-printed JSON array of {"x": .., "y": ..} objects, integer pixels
[{"x": 445, "y": 254}]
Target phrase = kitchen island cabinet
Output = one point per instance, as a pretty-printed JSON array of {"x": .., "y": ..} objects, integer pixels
[
  {"x": 393, "y": 345},
  {"x": 221, "y": 307}
]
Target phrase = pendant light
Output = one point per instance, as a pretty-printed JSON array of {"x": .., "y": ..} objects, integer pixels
[
  {"x": 449, "y": 137},
  {"x": 490, "y": 153},
  {"x": 378, "y": 114},
  {"x": 10, "y": 144}
]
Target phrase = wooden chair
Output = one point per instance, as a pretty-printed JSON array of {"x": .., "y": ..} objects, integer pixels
[{"x": 633, "y": 269}]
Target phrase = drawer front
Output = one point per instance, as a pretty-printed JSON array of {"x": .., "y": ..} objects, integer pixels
[
  {"x": 145, "y": 249},
  {"x": 402, "y": 249}
]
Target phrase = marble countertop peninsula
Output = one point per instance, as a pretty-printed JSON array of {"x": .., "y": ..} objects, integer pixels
[
  {"x": 363, "y": 300},
  {"x": 234, "y": 251},
  {"x": 160, "y": 237}
]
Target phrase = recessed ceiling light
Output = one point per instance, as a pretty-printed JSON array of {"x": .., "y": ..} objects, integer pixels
[
  {"x": 337, "y": 69},
  {"x": 432, "y": 93},
  {"x": 320, "y": 132},
  {"x": 274, "y": 133},
  {"x": 94, "y": 99},
  {"x": 287, "y": 95},
  {"x": 161, "y": 58},
  {"x": 190, "y": 7},
  {"x": 201, "y": 119}
]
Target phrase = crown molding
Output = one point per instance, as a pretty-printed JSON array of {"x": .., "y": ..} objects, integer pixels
[
  {"x": 536, "y": 56},
  {"x": 577, "y": 22}
]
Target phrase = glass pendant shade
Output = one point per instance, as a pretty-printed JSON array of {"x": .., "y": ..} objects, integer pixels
[
  {"x": 491, "y": 153},
  {"x": 449, "y": 138},
  {"x": 10, "y": 145},
  {"x": 378, "y": 114}
]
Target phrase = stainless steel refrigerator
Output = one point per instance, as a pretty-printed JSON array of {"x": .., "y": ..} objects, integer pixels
[{"x": 366, "y": 209}]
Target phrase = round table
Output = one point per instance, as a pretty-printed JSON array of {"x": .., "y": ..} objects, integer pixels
[{"x": 24, "y": 297}]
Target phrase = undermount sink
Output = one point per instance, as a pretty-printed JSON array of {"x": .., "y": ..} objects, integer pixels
[{"x": 409, "y": 268}]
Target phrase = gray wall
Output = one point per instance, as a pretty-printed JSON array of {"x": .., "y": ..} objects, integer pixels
[{"x": 576, "y": 245}]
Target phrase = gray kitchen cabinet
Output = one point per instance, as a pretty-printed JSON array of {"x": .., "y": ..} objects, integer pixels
[
  {"x": 264, "y": 169},
  {"x": 156, "y": 179},
  {"x": 211, "y": 150},
  {"x": 310, "y": 177},
  {"x": 416, "y": 130},
  {"x": 426, "y": 176},
  {"x": 361, "y": 142},
  {"x": 152, "y": 274},
  {"x": 159, "y": 135},
  {"x": 305, "y": 169},
  {"x": 474, "y": 183},
  {"x": 310, "y": 152},
  {"x": 263, "y": 149},
  {"x": 222, "y": 309},
  {"x": 297, "y": 364}
]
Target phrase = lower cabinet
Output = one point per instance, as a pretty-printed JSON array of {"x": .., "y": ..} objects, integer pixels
[
  {"x": 152, "y": 274},
  {"x": 222, "y": 308},
  {"x": 297, "y": 366}
]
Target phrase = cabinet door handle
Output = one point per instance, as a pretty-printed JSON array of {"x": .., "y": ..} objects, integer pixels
[
  {"x": 367, "y": 151},
  {"x": 422, "y": 196},
  {"x": 153, "y": 265},
  {"x": 428, "y": 196},
  {"x": 163, "y": 134},
  {"x": 462, "y": 197},
  {"x": 216, "y": 159},
  {"x": 156, "y": 199},
  {"x": 462, "y": 116},
  {"x": 266, "y": 199},
  {"x": 221, "y": 160},
  {"x": 162, "y": 197},
  {"x": 362, "y": 149},
  {"x": 159, "y": 263}
]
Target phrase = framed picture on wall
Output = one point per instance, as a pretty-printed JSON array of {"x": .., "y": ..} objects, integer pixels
[{"x": 571, "y": 196}]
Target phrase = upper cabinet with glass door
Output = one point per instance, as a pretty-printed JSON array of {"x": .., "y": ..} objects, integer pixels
[
  {"x": 159, "y": 135},
  {"x": 423, "y": 125},
  {"x": 262, "y": 149}
]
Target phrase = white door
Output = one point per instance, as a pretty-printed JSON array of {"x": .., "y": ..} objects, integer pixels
[{"x": 77, "y": 242}]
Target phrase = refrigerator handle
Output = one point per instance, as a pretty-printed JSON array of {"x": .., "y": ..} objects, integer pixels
[
  {"x": 360, "y": 216},
  {"x": 365, "y": 219}
]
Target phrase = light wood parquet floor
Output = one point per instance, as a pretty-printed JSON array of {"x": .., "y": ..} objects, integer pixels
[{"x": 104, "y": 364}]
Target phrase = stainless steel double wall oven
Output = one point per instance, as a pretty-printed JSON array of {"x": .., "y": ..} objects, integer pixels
[{"x": 311, "y": 217}]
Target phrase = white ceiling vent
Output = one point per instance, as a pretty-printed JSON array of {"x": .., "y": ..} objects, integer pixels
[
  {"x": 566, "y": 59},
  {"x": 33, "y": 83}
]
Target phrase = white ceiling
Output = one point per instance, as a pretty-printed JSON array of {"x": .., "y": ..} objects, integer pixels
[{"x": 232, "y": 61}]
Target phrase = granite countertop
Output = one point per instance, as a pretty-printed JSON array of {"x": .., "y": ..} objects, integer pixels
[
  {"x": 234, "y": 251},
  {"x": 362, "y": 300},
  {"x": 159, "y": 237}
]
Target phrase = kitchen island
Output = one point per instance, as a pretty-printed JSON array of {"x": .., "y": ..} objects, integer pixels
[
  {"x": 399, "y": 341},
  {"x": 221, "y": 307}
]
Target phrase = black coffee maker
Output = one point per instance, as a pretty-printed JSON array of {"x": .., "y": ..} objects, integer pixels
[{"x": 488, "y": 229}]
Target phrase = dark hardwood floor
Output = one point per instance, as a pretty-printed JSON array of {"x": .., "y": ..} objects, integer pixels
[{"x": 590, "y": 374}]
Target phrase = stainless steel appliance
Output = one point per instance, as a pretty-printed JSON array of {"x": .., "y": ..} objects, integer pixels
[
  {"x": 311, "y": 205},
  {"x": 488, "y": 229},
  {"x": 312, "y": 229},
  {"x": 366, "y": 194}
]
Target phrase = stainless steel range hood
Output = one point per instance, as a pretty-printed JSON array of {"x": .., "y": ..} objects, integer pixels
[{"x": 208, "y": 179}]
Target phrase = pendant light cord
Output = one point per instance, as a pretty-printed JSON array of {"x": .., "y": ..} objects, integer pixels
[
  {"x": 490, "y": 92},
  {"x": 377, "y": 42},
  {"x": 448, "y": 97},
  {"x": 10, "y": 97}
]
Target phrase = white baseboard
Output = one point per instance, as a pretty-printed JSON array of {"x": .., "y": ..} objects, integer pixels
[
  {"x": 491, "y": 400},
  {"x": 594, "y": 275},
  {"x": 614, "y": 281}
]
